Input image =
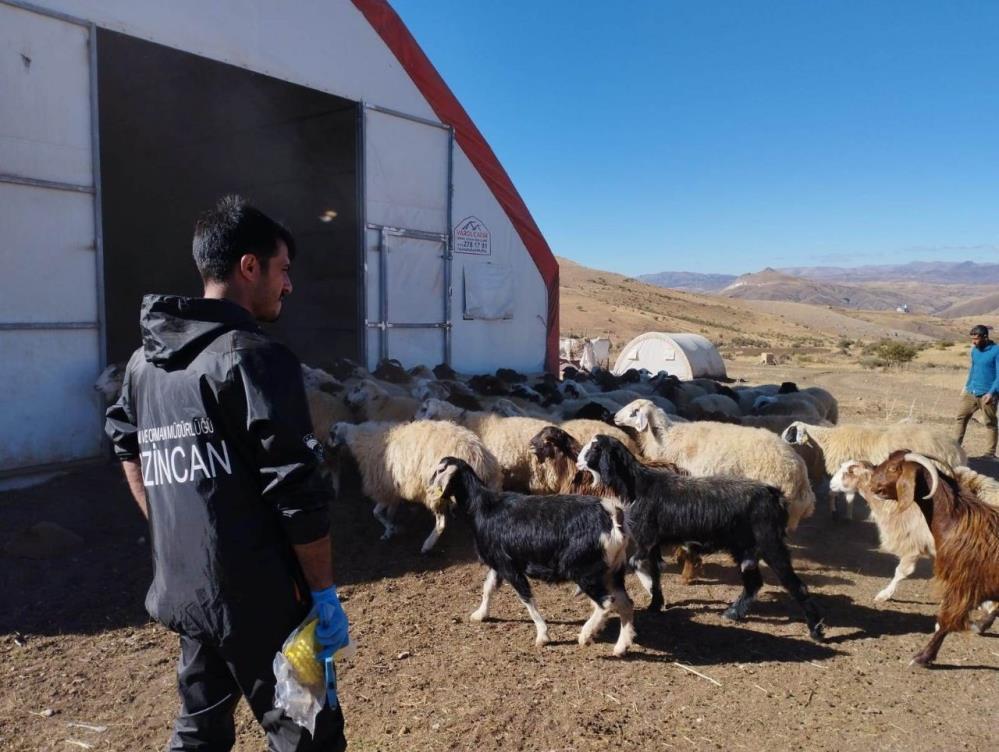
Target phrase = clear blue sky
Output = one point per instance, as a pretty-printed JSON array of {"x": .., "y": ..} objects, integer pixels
[{"x": 728, "y": 136}]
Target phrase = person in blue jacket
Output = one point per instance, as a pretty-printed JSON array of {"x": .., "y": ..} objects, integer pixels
[
  {"x": 981, "y": 391},
  {"x": 215, "y": 438}
]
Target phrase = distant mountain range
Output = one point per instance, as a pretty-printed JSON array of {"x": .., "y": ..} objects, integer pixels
[
  {"x": 943, "y": 288},
  {"x": 598, "y": 303},
  {"x": 691, "y": 281},
  {"x": 933, "y": 272},
  {"x": 771, "y": 284}
]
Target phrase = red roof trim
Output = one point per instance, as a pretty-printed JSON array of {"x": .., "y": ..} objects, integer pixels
[{"x": 414, "y": 61}]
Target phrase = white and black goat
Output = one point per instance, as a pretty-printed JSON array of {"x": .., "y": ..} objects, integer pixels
[
  {"x": 743, "y": 517},
  {"x": 563, "y": 538}
]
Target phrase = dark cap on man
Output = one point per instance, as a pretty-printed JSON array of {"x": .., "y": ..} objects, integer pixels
[{"x": 979, "y": 331}]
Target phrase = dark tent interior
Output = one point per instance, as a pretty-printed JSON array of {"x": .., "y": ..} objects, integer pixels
[{"x": 178, "y": 131}]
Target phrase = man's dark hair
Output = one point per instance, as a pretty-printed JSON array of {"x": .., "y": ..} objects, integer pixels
[
  {"x": 232, "y": 229},
  {"x": 980, "y": 331}
]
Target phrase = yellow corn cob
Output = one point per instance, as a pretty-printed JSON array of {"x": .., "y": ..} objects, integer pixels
[{"x": 301, "y": 654}]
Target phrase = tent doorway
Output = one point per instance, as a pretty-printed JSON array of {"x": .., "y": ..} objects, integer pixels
[{"x": 177, "y": 131}]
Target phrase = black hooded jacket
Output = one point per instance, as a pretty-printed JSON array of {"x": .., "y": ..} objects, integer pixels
[{"x": 216, "y": 412}]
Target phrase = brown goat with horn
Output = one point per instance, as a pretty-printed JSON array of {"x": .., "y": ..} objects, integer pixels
[{"x": 965, "y": 533}]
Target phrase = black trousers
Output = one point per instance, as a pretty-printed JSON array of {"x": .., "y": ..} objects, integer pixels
[{"x": 210, "y": 681}]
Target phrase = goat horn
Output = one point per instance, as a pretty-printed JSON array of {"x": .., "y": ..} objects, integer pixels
[{"x": 934, "y": 473}]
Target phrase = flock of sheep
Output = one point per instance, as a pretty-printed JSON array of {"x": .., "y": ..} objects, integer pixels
[{"x": 587, "y": 478}]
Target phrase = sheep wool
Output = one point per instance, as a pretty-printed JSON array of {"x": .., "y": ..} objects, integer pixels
[
  {"x": 396, "y": 460},
  {"x": 873, "y": 443},
  {"x": 507, "y": 439},
  {"x": 710, "y": 448},
  {"x": 326, "y": 411},
  {"x": 583, "y": 430}
]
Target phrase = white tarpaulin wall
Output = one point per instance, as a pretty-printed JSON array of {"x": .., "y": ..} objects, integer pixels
[
  {"x": 686, "y": 356},
  {"x": 489, "y": 293},
  {"x": 49, "y": 303},
  {"x": 407, "y": 170},
  {"x": 364, "y": 54}
]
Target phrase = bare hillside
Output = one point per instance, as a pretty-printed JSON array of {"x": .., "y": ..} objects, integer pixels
[
  {"x": 598, "y": 303},
  {"x": 983, "y": 305},
  {"x": 865, "y": 293}
]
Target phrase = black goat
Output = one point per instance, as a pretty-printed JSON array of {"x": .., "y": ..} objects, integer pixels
[
  {"x": 631, "y": 376},
  {"x": 461, "y": 395},
  {"x": 464, "y": 401},
  {"x": 552, "y": 538},
  {"x": 571, "y": 373},
  {"x": 524, "y": 392},
  {"x": 728, "y": 392},
  {"x": 742, "y": 517},
  {"x": 444, "y": 371},
  {"x": 603, "y": 378},
  {"x": 488, "y": 385},
  {"x": 510, "y": 376},
  {"x": 593, "y": 411},
  {"x": 392, "y": 371},
  {"x": 344, "y": 368},
  {"x": 666, "y": 385}
]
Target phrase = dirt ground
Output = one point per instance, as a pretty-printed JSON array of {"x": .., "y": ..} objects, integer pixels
[{"x": 77, "y": 647}]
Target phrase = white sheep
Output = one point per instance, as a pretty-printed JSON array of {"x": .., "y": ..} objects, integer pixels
[
  {"x": 904, "y": 532},
  {"x": 326, "y": 411},
  {"x": 370, "y": 400},
  {"x": 317, "y": 378},
  {"x": 423, "y": 388},
  {"x": 872, "y": 443},
  {"x": 507, "y": 439},
  {"x": 396, "y": 459},
  {"x": 510, "y": 409},
  {"x": 422, "y": 372},
  {"x": 709, "y": 448}
]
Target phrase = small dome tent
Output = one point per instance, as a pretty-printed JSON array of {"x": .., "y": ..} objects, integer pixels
[{"x": 685, "y": 356}]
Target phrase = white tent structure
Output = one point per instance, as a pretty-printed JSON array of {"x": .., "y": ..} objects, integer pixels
[
  {"x": 686, "y": 356},
  {"x": 121, "y": 121}
]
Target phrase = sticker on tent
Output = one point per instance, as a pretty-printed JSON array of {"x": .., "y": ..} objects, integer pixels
[{"x": 471, "y": 236}]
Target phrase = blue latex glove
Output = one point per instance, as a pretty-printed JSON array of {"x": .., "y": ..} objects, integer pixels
[{"x": 331, "y": 634}]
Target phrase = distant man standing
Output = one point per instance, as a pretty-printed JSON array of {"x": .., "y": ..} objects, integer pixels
[{"x": 981, "y": 391}]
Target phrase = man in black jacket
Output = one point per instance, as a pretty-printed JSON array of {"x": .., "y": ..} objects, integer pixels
[{"x": 215, "y": 438}]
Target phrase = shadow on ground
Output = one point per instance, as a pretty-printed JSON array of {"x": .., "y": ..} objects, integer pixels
[{"x": 102, "y": 583}]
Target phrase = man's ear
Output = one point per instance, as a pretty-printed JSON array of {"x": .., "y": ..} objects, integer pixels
[{"x": 249, "y": 266}]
